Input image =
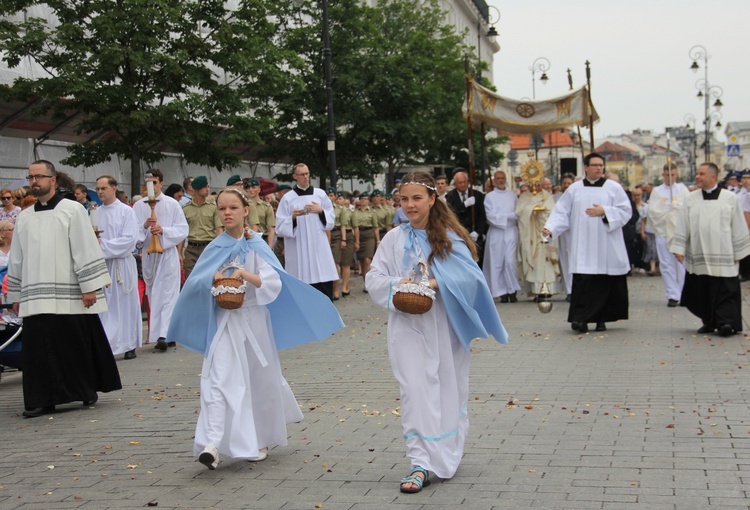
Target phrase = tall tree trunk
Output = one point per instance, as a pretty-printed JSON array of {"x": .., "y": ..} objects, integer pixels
[{"x": 135, "y": 172}]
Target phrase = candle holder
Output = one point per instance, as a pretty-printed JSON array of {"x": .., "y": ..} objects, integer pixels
[{"x": 155, "y": 246}]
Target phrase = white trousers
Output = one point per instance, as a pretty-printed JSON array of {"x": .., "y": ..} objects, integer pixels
[{"x": 672, "y": 272}]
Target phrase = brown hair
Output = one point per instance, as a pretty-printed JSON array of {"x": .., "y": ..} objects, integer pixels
[
  {"x": 28, "y": 201},
  {"x": 237, "y": 192},
  {"x": 440, "y": 219}
]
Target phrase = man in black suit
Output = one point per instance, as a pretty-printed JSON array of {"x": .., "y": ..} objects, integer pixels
[{"x": 468, "y": 205}]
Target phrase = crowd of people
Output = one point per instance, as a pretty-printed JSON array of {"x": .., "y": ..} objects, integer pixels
[{"x": 295, "y": 249}]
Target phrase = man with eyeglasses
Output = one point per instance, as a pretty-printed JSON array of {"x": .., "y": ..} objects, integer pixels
[
  {"x": 56, "y": 277},
  {"x": 594, "y": 210},
  {"x": 118, "y": 237},
  {"x": 302, "y": 219}
]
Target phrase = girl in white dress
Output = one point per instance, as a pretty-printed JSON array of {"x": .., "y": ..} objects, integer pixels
[
  {"x": 246, "y": 403},
  {"x": 429, "y": 353}
]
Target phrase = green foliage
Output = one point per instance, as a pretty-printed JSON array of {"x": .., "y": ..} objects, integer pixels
[{"x": 191, "y": 76}]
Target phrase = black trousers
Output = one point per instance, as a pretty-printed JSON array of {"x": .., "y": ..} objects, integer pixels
[{"x": 325, "y": 287}]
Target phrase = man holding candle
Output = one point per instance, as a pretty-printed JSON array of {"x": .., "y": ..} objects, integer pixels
[
  {"x": 161, "y": 271},
  {"x": 118, "y": 232}
]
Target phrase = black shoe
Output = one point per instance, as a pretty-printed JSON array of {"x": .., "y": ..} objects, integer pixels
[
  {"x": 581, "y": 327},
  {"x": 130, "y": 354},
  {"x": 600, "y": 326},
  {"x": 504, "y": 298},
  {"x": 171, "y": 344},
  {"x": 726, "y": 330},
  {"x": 38, "y": 411},
  {"x": 567, "y": 298},
  {"x": 672, "y": 303},
  {"x": 706, "y": 329},
  {"x": 512, "y": 298},
  {"x": 87, "y": 403},
  {"x": 346, "y": 293},
  {"x": 161, "y": 344}
]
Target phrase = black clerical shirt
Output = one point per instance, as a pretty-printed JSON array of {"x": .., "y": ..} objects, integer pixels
[
  {"x": 711, "y": 195},
  {"x": 309, "y": 191}
]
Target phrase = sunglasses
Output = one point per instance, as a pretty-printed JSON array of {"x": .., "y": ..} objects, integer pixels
[{"x": 7, "y": 198}]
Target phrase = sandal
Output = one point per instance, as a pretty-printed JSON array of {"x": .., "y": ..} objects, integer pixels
[{"x": 415, "y": 479}]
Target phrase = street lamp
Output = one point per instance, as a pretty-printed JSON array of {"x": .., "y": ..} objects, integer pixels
[
  {"x": 706, "y": 91},
  {"x": 331, "y": 142},
  {"x": 690, "y": 124},
  {"x": 492, "y": 35},
  {"x": 542, "y": 65}
]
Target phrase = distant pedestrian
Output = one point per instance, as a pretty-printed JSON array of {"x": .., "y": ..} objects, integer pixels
[
  {"x": 429, "y": 353},
  {"x": 711, "y": 237}
]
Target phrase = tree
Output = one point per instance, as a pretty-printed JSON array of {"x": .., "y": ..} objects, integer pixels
[
  {"x": 190, "y": 76},
  {"x": 398, "y": 88}
]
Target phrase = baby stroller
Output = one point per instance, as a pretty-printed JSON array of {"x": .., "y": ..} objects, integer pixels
[{"x": 10, "y": 337}]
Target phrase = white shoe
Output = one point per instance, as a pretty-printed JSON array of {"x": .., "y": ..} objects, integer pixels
[
  {"x": 262, "y": 455},
  {"x": 209, "y": 457}
]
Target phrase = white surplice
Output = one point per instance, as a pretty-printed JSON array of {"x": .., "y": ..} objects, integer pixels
[
  {"x": 664, "y": 207},
  {"x": 596, "y": 247},
  {"x": 307, "y": 252},
  {"x": 161, "y": 271},
  {"x": 500, "y": 265},
  {"x": 712, "y": 235},
  {"x": 245, "y": 401},
  {"x": 119, "y": 233},
  {"x": 563, "y": 249},
  {"x": 429, "y": 363}
]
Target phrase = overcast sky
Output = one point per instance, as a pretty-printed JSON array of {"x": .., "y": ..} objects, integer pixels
[{"x": 638, "y": 50}]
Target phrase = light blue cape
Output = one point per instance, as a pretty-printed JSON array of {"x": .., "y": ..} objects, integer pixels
[
  {"x": 467, "y": 298},
  {"x": 299, "y": 315}
]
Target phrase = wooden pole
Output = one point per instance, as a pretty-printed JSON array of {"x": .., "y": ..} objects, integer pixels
[
  {"x": 591, "y": 104},
  {"x": 470, "y": 134},
  {"x": 578, "y": 127}
]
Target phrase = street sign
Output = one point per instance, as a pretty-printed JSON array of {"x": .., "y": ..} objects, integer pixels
[{"x": 733, "y": 151}]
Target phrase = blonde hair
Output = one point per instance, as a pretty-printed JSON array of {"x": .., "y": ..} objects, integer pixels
[
  {"x": 440, "y": 219},
  {"x": 3, "y": 225}
]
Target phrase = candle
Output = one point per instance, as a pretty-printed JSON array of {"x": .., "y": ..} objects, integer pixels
[
  {"x": 150, "y": 189},
  {"x": 94, "y": 217}
]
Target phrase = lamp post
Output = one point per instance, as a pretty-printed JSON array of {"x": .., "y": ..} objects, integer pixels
[
  {"x": 542, "y": 65},
  {"x": 690, "y": 124},
  {"x": 492, "y": 34},
  {"x": 706, "y": 91},
  {"x": 331, "y": 139}
]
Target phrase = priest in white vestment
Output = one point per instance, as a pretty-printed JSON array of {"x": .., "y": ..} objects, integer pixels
[
  {"x": 161, "y": 271},
  {"x": 56, "y": 277},
  {"x": 594, "y": 210},
  {"x": 117, "y": 239},
  {"x": 500, "y": 266},
  {"x": 540, "y": 263},
  {"x": 663, "y": 210},
  {"x": 302, "y": 219},
  {"x": 711, "y": 237}
]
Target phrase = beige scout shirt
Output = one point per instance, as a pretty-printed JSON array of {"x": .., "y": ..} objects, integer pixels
[
  {"x": 203, "y": 221},
  {"x": 266, "y": 217}
]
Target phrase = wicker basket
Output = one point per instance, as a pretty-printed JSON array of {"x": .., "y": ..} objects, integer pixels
[
  {"x": 415, "y": 298},
  {"x": 408, "y": 302},
  {"x": 229, "y": 300}
]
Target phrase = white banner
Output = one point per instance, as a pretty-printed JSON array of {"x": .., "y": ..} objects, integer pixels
[{"x": 526, "y": 116}]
